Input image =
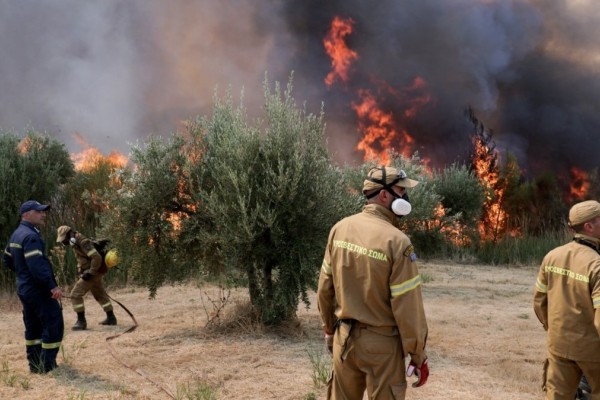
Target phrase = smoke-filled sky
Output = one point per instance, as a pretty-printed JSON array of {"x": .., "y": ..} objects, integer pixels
[{"x": 116, "y": 71}]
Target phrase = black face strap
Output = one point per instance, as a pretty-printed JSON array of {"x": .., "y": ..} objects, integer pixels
[{"x": 387, "y": 186}]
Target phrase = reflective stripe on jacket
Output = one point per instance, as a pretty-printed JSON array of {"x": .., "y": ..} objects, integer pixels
[
  {"x": 87, "y": 256},
  {"x": 25, "y": 254},
  {"x": 566, "y": 299},
  {"x": 369, "y": 274}
]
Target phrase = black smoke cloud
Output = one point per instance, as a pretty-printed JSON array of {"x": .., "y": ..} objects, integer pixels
[{"x": 118, "y": 71}]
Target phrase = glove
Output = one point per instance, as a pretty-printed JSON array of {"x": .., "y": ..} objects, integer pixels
[
  {"x": 86, "y": 276},
  {"x": 329, "y": 342},
  {"x": 421, "y": 372}
]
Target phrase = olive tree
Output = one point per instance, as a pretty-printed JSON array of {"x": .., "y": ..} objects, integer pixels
[
  {"x": 462, "y": 197},
  {"x": 143, "y": 212},
  {"x": 32, "y": 167},
  {"x": 267, "y": 195}
]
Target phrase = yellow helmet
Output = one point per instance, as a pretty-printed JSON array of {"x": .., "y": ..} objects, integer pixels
[{"x": 111, "y": 259}]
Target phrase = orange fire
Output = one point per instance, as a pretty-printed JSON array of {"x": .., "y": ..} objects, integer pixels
[
  {"x": 90, "y": 158},
  {"x": 484, "y": 161},
  {"x": 335, "y": 46},
  {"x": 24, "y": 145},
  {"x": 580, "y": 184},
  {"x": 380, "y": 132},
  {"x": 454, "y": 232}
]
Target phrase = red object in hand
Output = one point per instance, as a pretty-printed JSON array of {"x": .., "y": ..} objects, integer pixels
[{"x": 421, "y": 372}]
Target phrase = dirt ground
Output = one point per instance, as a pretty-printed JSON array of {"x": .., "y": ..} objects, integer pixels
[{"x": 484, "y": 343}]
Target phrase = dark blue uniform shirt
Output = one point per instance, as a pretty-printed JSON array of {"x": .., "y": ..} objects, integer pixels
[{"x": 25, "y": 254}]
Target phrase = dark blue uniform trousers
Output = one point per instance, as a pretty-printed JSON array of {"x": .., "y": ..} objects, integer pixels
[{"x": 44, "y": 328}]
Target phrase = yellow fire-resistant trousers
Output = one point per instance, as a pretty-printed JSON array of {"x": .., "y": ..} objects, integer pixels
[
  {"x": 94, "y": 285},
  {"x": 368, "y": 358},
  {"x": 563, "y": 375}
]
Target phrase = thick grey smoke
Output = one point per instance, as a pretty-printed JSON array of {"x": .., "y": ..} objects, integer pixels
[{"x": 116, "y": 71}]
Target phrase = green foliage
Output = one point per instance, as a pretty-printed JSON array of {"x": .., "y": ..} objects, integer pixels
[
  {"x": 462, "y": 195},
  {"x": 524, "y": 250},
  {"x": 424, "y": 225},
  {"x": 321, "y": 366},
  {"x": 461, "y": 202},
  {"x": 268, "y": 195},
  {"x": 81, "y": 199},
  {"x": 30, "y": 168},
  {"x": 143, "y": 214},
  {"x": 79, "y": 203},
  {"x": 197, "y": 391},
  {"x": 536, "y": 206}
]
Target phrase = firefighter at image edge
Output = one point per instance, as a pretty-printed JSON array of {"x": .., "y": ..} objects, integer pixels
[
  {"x": 36, "y": 288},
  {"x": 369, "y": 296},
  {"x": 567, "y": 303}
]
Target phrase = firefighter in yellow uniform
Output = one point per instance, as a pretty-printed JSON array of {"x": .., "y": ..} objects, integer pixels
[
  {"x": 369, "y": 296},
  {"x": 91, "y": 270},
  {"x": 567, "y": 303}
]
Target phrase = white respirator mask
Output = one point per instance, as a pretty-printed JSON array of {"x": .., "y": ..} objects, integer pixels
[{"x": 401, "y": 207}]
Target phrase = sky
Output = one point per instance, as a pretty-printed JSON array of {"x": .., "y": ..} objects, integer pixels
[{"x": 111, "y": 73}]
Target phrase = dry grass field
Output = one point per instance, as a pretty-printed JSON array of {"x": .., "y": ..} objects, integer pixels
[{"x": 484, "y": 343}]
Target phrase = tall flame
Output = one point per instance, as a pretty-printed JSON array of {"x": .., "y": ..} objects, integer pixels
[
  {"x": 90, "y": 157},
  {"x": 335, "y": 46},
  {"x": 485, "y": 166},
  {"x": 379, "y": 130},
  {"x": 382, "y": 130}
]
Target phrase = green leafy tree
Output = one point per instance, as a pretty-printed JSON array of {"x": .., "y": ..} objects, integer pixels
[
  {"x": 81, "y": 201},
  {"x": 425, "y": 225},
  {"x": 549, "y": 208},
  {"x": 267, "y": 195},
  {"x": 144, "y": 214},
  {"x": 32, "y": 167},
  {"x": 462, "y": 196}
]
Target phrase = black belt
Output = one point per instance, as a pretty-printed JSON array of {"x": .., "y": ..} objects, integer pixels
[{"x": 353, "y": 323}]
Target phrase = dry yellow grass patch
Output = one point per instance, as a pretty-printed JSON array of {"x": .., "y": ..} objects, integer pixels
[{"x": 485, "y": 343}]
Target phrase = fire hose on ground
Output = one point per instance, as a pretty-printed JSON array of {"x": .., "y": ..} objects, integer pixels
[{"x": 113, "y": 352}]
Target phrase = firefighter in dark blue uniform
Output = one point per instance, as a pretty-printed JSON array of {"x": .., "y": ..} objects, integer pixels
[{"x": 36, "y": 288}]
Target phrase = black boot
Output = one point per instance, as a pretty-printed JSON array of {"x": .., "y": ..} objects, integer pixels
[
  {"x": 81, "y": 324},
  {"x": 110, "y": 319}
]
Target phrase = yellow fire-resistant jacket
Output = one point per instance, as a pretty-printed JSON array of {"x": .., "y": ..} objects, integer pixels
[
  {"x": 88, "y": 258},
  {"x": 567, "y": 300},
  {"x": 369, "y": 274}
]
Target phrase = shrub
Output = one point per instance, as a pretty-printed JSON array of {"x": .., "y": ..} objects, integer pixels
[{"x": 267, "y": 195}]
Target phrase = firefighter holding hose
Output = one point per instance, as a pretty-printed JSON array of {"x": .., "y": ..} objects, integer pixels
[{"x": 91, "y": 268}]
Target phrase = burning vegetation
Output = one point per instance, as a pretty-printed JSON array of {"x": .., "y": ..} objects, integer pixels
[
  {"x": 484, "y": 164},
  {"x": 90, "y": 158},
  {"x": 383, "y": 117},
  {"x": 381, "y": 129}
]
